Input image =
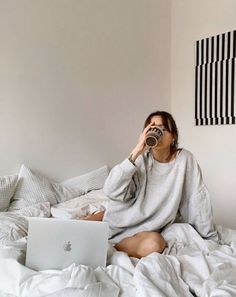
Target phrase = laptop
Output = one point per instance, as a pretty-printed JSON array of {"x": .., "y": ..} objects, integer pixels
[{"x": 57, "y": 243}]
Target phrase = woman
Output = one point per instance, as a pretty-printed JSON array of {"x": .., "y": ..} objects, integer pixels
[{"x": 154, "y": 188}]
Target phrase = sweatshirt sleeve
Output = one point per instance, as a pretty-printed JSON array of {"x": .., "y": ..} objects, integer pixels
[
  {"x": 121, "y": 183},
  {"x": 195, "y": 207},
  {"x": 197, "y": 211}
]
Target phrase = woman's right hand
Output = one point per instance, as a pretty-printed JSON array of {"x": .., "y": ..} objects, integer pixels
[{"x": 141, "y": 146}]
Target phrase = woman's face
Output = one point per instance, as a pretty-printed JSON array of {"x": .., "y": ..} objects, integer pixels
[{"x": 167, "y": 139}]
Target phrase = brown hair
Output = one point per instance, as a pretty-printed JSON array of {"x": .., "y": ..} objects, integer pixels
[{"x": 169, "y": 123}]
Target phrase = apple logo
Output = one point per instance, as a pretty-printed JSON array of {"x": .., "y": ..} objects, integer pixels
[{"x": 67, "y": 246}]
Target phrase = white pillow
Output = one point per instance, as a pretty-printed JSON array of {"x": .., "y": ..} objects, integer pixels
[
  {"x": 64, "y": 193},
  {"x": 7, "y": 189},
  {"x": 93, "y": 180},
  {"x": 82, "y": 206},
  {"x": 32, "y": 188},
  {"x": 12, "y": 227}
]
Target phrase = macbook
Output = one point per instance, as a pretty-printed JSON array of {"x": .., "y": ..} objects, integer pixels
[{"x": 57, "y": 243}]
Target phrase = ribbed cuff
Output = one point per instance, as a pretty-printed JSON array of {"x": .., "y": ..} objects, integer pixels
[{"x": 128, "y": 167}]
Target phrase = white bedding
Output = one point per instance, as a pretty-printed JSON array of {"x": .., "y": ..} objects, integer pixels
[
  {"x": 81, "y": 206},
  {"x": 190, "y": 266}
]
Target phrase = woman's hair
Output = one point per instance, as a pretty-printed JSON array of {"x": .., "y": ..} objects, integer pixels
[{"x": 169, "y": 123}]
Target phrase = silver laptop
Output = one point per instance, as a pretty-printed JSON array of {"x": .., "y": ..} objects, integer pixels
[{"x": 56, "y": 243}]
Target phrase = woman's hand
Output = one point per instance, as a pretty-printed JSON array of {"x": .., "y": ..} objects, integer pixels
[
  {"x": 141, "y": 146},
  {"x": 98, "y": 216}
]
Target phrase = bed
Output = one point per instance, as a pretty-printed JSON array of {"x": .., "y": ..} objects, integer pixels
[{"x": 189, "y": 266}]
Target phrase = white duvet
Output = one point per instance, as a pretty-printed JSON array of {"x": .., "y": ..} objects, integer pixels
[{"x": 190, "y": 266}]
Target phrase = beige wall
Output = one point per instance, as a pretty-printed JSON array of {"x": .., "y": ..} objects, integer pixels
[
  {"x": 214, "y": 146},
  {"x": 77, "y": 79}
]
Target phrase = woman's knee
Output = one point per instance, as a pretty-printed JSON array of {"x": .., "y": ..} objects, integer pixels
[{"x": 154, "y": 242}]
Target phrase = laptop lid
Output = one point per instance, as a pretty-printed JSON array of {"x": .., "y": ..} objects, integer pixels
[{"x": 56, "y": 243}]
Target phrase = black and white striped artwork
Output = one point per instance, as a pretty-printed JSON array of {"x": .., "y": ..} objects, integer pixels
[{"x": 215, "y": 79}]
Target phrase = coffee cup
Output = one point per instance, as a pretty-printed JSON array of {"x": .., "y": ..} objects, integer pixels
[{"x": 154, "y": 136}]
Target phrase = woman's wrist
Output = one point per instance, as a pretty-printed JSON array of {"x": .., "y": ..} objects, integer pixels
[
  {"x": 131, "y": 159},
  {"x": 133, "y": 156}
]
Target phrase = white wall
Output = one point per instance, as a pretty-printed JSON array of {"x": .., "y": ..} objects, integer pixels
[
  {"x": 77, "y": 79},
  {"x": 214, "y": 146}
]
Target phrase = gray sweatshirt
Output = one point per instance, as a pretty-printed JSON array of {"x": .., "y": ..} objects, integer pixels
[{"x": 152, "y": 195}]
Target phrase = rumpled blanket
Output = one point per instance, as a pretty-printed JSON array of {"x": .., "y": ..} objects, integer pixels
[{"x": 189, "y": 266}]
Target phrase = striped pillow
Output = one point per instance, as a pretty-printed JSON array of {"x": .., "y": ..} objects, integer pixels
[
  {"x": 32, "y": 188},
  {"x": 93, "y": 180},
  {"x": 7, "y": 189}
]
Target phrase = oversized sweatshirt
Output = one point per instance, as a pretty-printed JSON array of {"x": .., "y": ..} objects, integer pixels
[{"x": 150, "y": 195}]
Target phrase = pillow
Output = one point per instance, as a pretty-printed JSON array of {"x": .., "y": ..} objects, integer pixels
[
  {"x": 81, "y": 184},
  {"x": 79, "y": 207},
  {"x": 38, "y": 210},
  {"x": 33, "y": 188},
  {"x": 7, "y": 189},
  {"x": 93, "y": 180},
  {"x": 12, "y": 227},
  {"x": 64, "y": 193}
]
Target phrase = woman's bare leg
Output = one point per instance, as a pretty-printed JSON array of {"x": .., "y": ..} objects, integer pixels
[
  {"x": 139, "y": 245},
  {"x": 142, "y": 244}
]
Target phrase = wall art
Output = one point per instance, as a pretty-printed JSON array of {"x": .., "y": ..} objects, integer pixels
[{"x": 215, "y": 80}]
